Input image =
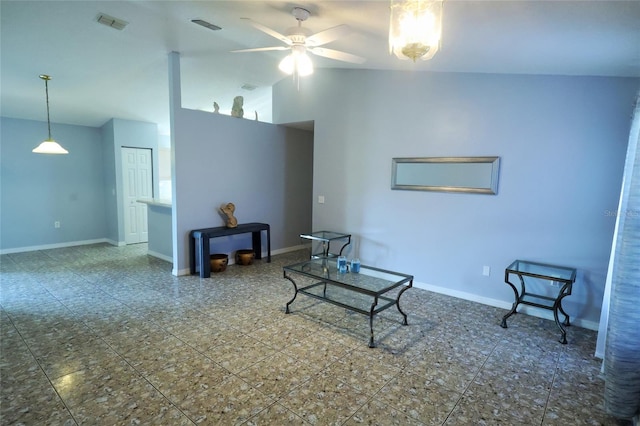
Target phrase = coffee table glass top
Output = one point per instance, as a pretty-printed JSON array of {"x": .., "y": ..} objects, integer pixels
[
  {"x": 324, "y": 235},
  {"x": 371, "y": 280},
  {"x": 542, "y": 270}
]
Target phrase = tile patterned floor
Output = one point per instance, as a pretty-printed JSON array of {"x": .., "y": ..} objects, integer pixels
[{"x": 106, "y": 335}]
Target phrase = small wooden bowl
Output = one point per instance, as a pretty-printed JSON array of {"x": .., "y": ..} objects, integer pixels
[
  {"x": 219, "y": 262},
  {"x": 245, "y": 257}
]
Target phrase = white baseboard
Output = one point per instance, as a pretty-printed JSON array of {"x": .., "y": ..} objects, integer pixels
[
  {"x": 287, "y": 250},
  {"x": 529, "y": 310},
  {"x": 160, "y": 256},
  {"x": 55, "y": 246},
  {"x": 179, "y": 272},
  {"x": 525, "y": 309},
  {"x": 232, "y": 261}
]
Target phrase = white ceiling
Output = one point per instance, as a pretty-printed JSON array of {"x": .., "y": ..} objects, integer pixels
[{"x": 99, "y": 73}]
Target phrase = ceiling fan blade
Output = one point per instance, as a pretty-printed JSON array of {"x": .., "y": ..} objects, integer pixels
[
  {"x": 336, "y": 54},
  {"x": 261, "y": 49},
  {"x": 326, "y": 36},
  {"x": 270, "y": 32}
]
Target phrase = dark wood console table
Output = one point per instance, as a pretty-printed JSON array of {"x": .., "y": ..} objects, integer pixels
[{"x": 199, "y": 243}]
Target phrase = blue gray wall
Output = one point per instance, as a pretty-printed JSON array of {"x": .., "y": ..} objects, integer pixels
[
  {"x": 562, "y": 143},
  {"x": 160, "y": 242},
  {"x": 265, "y": 170},
  {"x": 37, "y": 190},
  {"x": 80, "y": 190}
]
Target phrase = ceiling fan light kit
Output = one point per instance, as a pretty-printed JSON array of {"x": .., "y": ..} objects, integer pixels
[
  {"x": 301, "y": 41},
  {"x": 415, "y": 28},
  {"x": 48, "y": 146},
  {"x": 297, "y": 62}
]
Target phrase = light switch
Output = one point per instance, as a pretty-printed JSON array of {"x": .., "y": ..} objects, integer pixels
[{"x": 321, "y": 199}]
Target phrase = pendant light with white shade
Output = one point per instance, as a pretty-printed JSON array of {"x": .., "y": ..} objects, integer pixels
[{"x": 49, "y": 146}]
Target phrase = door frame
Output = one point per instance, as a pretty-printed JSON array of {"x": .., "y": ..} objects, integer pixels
[{"x": 123, "y": 200}]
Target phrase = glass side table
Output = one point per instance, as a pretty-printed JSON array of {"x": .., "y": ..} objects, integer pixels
[
  {"x": 326, "y": 237},
  {"x": 560, "y": 280}
]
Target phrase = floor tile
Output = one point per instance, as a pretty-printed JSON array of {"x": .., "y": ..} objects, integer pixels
[
  {"x": 101, "y": 334},
  {"x": 233, "y": 401},
  {"x": 324, "y": 400},
  {"x": 419, "y": 398}
]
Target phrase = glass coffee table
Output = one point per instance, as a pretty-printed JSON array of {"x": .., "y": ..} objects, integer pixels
[
  {"x": 364, "y": 292},
  {"x": 559, "y": 282},
  {"x": 326, "y": 237}
]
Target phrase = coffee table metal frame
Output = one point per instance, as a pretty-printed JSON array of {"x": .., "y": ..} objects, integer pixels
[{"x": 372, "y": 283}]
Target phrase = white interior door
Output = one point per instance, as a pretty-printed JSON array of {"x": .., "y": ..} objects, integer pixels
[{"x": 137, "y": 171}]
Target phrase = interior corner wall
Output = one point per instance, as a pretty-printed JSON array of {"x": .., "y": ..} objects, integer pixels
[
  {"x": 37, "y": 190},
  {"x": 264, "y": 169},
  {"x": 110, "y": 182},
  {"x": 561, "y": 140}
]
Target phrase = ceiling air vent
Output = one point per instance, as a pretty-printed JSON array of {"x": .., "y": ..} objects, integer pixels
[
  {"x": 248, "y": 86},
  {"x": 110, "y": 21},
  {"x": 206, "y": 24}
]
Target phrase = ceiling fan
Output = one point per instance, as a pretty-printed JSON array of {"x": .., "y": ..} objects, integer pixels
[{"x": 300, "y": 41}]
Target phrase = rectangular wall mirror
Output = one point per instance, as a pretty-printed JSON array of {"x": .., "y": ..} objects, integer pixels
[{"x": 447, "y": 174}]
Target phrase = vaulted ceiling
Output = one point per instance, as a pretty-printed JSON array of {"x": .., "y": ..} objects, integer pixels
[{"x": 99, "y": 72}]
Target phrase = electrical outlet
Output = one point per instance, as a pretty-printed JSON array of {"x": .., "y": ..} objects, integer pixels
[
  {"x": 56, "y": 224},
  {"x": 321, "y": 199},
  {"x": 486, "y": 271}
]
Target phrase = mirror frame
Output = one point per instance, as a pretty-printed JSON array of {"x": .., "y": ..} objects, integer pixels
[{"x": 492, "y": 189}]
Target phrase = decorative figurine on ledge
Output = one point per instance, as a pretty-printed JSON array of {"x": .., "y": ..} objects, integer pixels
[
  {"x": 228, "y": 210},
  {"x": 216, "y": 108},
  {"x": 236, "y": 110}
]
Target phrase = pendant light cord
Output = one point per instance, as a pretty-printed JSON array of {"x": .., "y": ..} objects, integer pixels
[
  {"x": 46, "y": 79},
  {"x": 46, "y": 89}
]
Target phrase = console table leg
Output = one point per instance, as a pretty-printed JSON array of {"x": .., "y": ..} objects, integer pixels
[
  {"x": 205, "y": 266},
  {"x": 268, "y": 244},
  {"x": 192, "y": 254},
  {"x": 256, "y": 242}
]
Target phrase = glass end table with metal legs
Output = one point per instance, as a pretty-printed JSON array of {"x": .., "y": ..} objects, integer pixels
[
  {"x": 533, "y": 291},
  {"x": 325, "y": 238}
]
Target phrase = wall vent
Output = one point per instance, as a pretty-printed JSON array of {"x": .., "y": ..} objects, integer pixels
[
  {"x": 206, "y": 24},
  {"x": 110, "y": 21},
  {"x": 248, "y": 86}
]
